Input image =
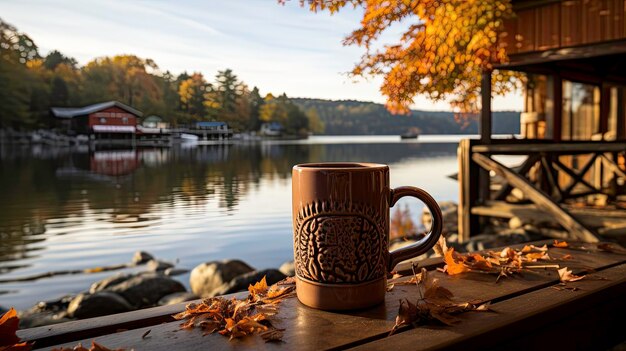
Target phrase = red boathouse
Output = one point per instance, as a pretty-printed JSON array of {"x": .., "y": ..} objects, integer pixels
[{"x": 106, "y": 120}]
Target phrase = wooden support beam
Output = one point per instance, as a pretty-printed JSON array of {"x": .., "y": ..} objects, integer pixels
[
  {"x": 541, "y": 199},
  {"x": 524, "y": 168},
  {"x": 576, "y": 178},
  {"x": 551, "y": 177},
  {"x": 612, "y": 167},
  {"x": 579, "y": 178},
  {"x": 485, "y": 116}
]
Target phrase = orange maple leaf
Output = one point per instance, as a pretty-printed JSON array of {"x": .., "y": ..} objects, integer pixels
[
  {"x": 8, "y": 327},
  {"x": 258, "y": 288},
  {"x": 452, "y": 266},
  {"x": 22, "y": 346}
]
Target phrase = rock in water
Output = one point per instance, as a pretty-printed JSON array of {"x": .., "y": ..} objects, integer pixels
[
  {"x": 158, "y": 265},
  {"x": 287, "y": 269},
  {"x": 209, "y": 276},
  {"x": 99, "y": 304},
  {"x": 177, "y": 298},
  {"x": 170, "y": 272},
  {"x": 242, "y": 282},
  {"x": 147, "y": 289},
  {"x": 108, "y": 282},
  {"x": 141, "y": 257}
]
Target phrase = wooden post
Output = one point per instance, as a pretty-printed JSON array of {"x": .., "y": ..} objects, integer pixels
[
  {"x": 485, "y": 116},
  {"x": 484, "y": 190},
  {"x": 557, "y": 112},
  {"x": 621, "y": 114},
  {"x": 468, "y": 193},
  {"x": 605, "y": 105}
]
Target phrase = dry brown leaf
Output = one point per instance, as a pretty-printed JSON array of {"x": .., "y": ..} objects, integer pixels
[
  {"x": 437, "y": 294},
  {"x": 435, "y": 303},
  {"x": 561, "y": 288},
  {"x": 540, "y": 248},
  {"x": 94, "y": 347},
  {"x": 287, "y": 281},
  {"x": 273, "y": 335},
  {"x": 237, "y": 318},
  {"x": 501, "y": 263},
  {"x": 565, "y": 275},
  {"x": 534, "y": 256},
  {"x": 276, "y": 292},
  {"x": 441, "y": 247}
]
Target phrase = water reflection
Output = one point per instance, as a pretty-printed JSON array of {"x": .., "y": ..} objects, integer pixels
[{"x": 49, "y": 193}]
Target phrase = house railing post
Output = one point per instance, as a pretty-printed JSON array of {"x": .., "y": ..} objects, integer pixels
[{"x": 468, "y": 193}]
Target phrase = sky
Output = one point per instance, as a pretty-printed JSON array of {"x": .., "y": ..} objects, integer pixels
[{"x": 276, "y": 48}]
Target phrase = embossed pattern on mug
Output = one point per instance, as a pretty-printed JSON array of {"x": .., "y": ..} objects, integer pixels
[{"x": 338, "y": 242}]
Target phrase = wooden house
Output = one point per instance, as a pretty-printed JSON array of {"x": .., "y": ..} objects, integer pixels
[
  {"x": 573, "y": 53},
  {"x": 106, "y": 120}
]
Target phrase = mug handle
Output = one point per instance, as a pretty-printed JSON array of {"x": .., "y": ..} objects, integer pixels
[{"x": 424, "y": 244}]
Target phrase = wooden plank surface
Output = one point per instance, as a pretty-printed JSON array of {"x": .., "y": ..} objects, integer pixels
[
  {"x": 75, "y": 330},
  {"x": 588, "y": 318},
  {"x": 310, "y": 329}
]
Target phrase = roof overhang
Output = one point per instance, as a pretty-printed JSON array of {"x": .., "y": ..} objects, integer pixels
[
  {"x": 597, "y": 62},
  {"x": 71, "y": 112}
]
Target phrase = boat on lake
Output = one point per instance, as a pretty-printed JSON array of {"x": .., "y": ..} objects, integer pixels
[{"x": 409, "y": 135}]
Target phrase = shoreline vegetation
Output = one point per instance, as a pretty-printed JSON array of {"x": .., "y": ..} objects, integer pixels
[{"x": 34, "y": 82}]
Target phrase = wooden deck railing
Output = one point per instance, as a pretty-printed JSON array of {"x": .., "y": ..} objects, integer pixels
[{"x": 550, "y": 174}]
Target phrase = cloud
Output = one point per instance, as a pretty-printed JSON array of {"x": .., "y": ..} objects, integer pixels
[{"x": 277, "y": 48}]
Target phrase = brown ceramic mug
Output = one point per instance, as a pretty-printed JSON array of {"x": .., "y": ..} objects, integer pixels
[{"x": 341, "y": 233}]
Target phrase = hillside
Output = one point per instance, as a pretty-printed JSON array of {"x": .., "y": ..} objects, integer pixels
[{"x": 367, "y": 118}]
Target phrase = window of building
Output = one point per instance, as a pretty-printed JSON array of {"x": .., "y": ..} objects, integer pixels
[{"x": 581, "y": 111}]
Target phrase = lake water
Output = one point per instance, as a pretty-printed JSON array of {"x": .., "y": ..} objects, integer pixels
[{"x": 64, "y": 209}]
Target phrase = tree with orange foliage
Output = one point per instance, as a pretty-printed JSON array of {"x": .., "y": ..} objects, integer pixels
[
  {"x": 445, "y": 46},
  {"x": 401, "y": 224}
]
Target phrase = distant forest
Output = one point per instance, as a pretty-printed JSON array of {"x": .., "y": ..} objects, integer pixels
[
  {"x": 367, "y": 118},
  {"x": 31, "y": 83}
]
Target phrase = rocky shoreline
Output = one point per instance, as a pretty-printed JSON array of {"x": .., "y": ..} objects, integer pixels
[{"x": 155, "y": 285}]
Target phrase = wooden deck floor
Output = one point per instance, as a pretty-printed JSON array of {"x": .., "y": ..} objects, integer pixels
[{"x": 527, "y": 311}]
